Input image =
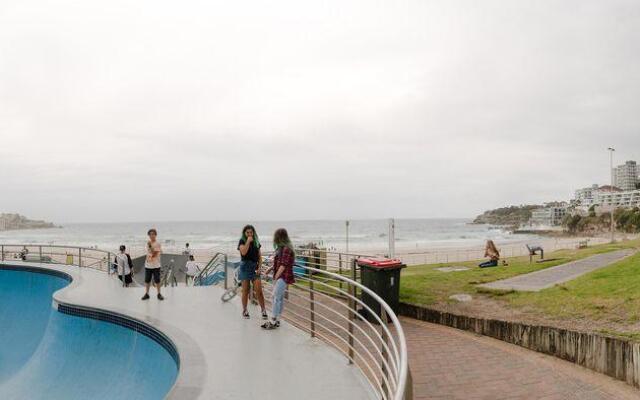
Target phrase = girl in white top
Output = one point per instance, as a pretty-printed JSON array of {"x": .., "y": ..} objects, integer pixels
[{"x": 124, "y": 266}]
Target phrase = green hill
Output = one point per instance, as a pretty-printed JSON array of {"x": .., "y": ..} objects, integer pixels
[{"x": 513, "y": 216}]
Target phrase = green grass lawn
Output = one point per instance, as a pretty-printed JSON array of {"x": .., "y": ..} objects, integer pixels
[
  {"x": 610, "y": 294},
  {"x": 424, "y": 285}
]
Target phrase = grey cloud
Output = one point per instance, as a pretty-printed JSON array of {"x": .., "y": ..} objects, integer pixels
[{"x": 218, "y": 110}]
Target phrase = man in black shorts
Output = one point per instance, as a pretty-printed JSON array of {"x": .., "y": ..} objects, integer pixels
[{"x": 152, "y": 264}]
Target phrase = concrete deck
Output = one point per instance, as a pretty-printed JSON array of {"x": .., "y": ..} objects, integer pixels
[
  {"x": 546, "y": 278},
  {"x": 222, "y": 355}
]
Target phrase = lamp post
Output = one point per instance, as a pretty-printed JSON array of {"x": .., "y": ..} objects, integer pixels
[
  {"x": 346, "y": 223},
  {"x": 613, "y": 233},
  {"x": 392, "y": 238}
]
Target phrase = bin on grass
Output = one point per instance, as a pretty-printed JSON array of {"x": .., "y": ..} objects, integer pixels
[{"x": 382, "y": 276}]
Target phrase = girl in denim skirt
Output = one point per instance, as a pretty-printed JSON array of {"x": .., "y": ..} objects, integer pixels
[{"x": 250, "y": 264}]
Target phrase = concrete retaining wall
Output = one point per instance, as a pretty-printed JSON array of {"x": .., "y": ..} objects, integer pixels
[{"x": 617, "y": 358}]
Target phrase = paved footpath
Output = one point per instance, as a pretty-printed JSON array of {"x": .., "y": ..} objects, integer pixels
[
  {"x": 546, "y": 278},
  {"x": 451, "y": 364}
]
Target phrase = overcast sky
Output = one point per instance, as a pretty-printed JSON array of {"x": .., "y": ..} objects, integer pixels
[{"x": 208, "y": 110}]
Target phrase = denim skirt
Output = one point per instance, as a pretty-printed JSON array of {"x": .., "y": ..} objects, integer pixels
[{"x": 247, "y": 270}]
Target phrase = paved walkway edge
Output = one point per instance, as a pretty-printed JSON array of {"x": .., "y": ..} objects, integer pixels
[
  {"x": 614, "y": 357},
  {"x": 549, "y": 277}
]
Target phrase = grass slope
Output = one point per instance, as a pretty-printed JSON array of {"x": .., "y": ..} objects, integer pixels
[{"x": 425, "y": 285}]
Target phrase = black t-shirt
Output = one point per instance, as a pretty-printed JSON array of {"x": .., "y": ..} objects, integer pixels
[{"x": 253, "y": 254}]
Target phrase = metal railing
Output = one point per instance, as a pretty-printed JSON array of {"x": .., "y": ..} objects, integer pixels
[
  {"x": 444, "y": 256},
  {"x": 344, "y": 264},
  {"x": 66, "y": 255},
  {"x": 217, "y": 263},
  {"x": 327, "y": 305},
  {"x": 325, "y": 301}
]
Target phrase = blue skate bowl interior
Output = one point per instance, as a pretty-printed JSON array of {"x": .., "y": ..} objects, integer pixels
[{"x": 74, "y": 353}]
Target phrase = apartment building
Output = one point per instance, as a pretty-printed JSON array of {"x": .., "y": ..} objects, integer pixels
[
  {"x": 627, "y": 198},
  {"x": 586, "y": 196},
  {"x": 548, "y": 216},
  {"x": 626, "y": 176}
]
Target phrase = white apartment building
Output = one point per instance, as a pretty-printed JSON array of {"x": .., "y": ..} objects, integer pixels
[
  {"x": 586, "y": 196},
  {"x": 627, "y": 198},
  {"x": 548, "y": 216},
  {"x": 626, "y": 176}
]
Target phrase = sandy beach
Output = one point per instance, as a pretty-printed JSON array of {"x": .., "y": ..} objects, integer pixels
[{"x": 431, "y": 255}]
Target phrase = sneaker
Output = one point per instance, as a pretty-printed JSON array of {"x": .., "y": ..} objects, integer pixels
[
  {"x": 245, "y": 314},
  {"x": 276, "y": 324},
  {"x": 264, "y": 315},
  {"x": 146, "y": 296},
  {"x": 269, "y": 326},
  {"x": 160, "y": 297}
]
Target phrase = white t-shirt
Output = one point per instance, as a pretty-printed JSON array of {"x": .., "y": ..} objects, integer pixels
[
  {"x": 151, "y": 261},
  {"x": 192, "y": 268},
  {"x": 123, "y": 264}
]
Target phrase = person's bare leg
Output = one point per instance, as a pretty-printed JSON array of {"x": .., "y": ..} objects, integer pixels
[
  {"x": 146, "y": 287},
  {"x": 245, "y": 295},
  {"x": 158, "y": 287},
  {"x": 257, "y": 284}
]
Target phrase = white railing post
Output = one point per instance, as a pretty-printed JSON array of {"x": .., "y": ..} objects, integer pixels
[
  {"x": 226, "y": 269},
  {"x": 340, "y": 267},
  {"x": 312, "y": 308},
  {"x": 383, "y": 352},
  {"x": 352, "y": 310}
]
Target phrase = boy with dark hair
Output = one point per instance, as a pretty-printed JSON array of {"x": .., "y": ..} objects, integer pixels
[{"x": 152, "y": 264}]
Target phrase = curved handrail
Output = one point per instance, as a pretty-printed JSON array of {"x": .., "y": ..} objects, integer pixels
[
  {"x": 78, "y": 256},
  {"x": 217, "y": 261},
  {"x": 385, "y": 367}
]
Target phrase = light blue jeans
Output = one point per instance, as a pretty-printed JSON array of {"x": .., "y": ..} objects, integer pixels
[{"x": 278, "y": 298}]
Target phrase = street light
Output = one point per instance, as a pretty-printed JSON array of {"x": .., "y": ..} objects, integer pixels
[
  {"x": 346, "y": 223},
  {"x": 611, "y": 151}
]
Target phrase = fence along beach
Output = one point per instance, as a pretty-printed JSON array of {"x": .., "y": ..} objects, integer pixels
[{"x": 417, "y": 241}]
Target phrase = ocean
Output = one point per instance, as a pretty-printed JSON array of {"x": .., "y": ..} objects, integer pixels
[{"x": 365, "y": 236}]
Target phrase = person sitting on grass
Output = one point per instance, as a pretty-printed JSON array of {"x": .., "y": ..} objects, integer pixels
[
  {"x": 282, "y": 274},
  {"x": 492, "y": 253}
]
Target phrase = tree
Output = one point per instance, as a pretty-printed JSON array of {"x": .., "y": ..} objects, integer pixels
[{"x": 571, "y": 222}]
